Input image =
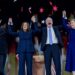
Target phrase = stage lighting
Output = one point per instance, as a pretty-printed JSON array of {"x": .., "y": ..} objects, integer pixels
[
  {"x": 41, "y": 10},
  {"x": 55, "y": 8},
  {"x": 15, "y": 0}
]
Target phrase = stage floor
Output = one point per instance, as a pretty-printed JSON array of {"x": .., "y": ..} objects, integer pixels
[{"x": 11, "y": 66}]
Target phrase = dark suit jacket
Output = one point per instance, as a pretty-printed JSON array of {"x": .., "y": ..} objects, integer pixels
[
  {"x": 25, "y": 43},
  {"x": 44, "y": 37},
  {"x": 3, "y": 41}
]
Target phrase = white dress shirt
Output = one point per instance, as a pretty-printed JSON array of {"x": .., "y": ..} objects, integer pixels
[{"x": 54, "y": 38}]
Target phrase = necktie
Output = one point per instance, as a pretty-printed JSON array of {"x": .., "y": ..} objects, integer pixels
[{"x": 50, "y": 36}]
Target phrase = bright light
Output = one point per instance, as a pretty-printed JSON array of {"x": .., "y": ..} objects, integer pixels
[
  {"x": 55, "y": 8},
  {"x": 41, "y": 10},
  {"x": 15, "y": 0}
]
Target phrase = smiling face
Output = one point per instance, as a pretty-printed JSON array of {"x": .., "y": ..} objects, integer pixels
[
  {"x": 49, "y": 22},
  {"x": 25, "y": 26}
]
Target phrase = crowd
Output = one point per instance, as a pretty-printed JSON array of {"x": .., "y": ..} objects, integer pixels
[{"x": 43, "y": 39}]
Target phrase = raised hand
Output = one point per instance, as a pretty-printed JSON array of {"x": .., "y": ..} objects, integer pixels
[
  {"x": 17, "y": 56},
  {"x": 64, "y": 13},
  {"x": 33, "y": 19},
  {"x": 10, "y": 22}
]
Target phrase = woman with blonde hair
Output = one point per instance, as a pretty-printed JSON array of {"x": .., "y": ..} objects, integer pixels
[{"x": 70, "y": 58}]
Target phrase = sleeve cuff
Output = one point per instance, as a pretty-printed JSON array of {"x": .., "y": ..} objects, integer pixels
[
  {"x": 65, "y": 17},
  {"x": 9, "y": 23}
]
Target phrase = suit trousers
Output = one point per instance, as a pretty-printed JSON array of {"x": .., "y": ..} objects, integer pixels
[
  {"x": 25, "y": 58},
  {"x": 2, "y": 63},
  {"x": 52, "y": 51}
]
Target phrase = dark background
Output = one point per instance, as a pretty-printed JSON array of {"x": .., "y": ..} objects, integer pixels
[{"x": 9, "y": 8}]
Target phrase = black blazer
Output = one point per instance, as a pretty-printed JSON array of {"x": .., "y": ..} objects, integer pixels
[
  {"x": 3, "y": 41},
  {"x": 25, "y": 43},
  {"x": 44, "y": 37}
]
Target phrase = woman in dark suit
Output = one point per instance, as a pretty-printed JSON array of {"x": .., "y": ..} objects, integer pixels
[{"x": 25, "y": 48}]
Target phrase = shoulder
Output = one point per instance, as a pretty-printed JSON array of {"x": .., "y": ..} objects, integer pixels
[
  {"x": 19, "y": 32},
  {"x": 56, "y": 27},
  {"x": 44, "y": 28}
]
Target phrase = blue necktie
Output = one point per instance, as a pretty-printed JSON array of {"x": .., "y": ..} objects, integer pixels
[{"x": 50, "y": 36}]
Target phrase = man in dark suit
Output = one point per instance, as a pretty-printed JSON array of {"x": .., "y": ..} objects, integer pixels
[
  {"x": 3, "y": 47},
  {"x": 51, "y": 43}
]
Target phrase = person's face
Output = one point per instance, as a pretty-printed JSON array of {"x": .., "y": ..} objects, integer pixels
[
  {"x": 49, "y": 22},
  {"x": 25, "y": 26},
  {"x": 72, "y": 24}
]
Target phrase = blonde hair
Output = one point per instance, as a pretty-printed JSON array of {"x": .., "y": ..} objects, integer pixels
[{"x": 72, "y": 19}]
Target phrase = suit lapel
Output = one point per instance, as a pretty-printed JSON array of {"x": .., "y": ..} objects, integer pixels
[
  {"x": 45, "y": 34},
  {"x": 55, "y": 31}
]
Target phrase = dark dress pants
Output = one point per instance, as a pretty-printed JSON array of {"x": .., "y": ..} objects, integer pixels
[
  {"x": 52, "y": 51},
  {"x": 2, "y": 63},
  {"x": 25, "y": 57}
]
